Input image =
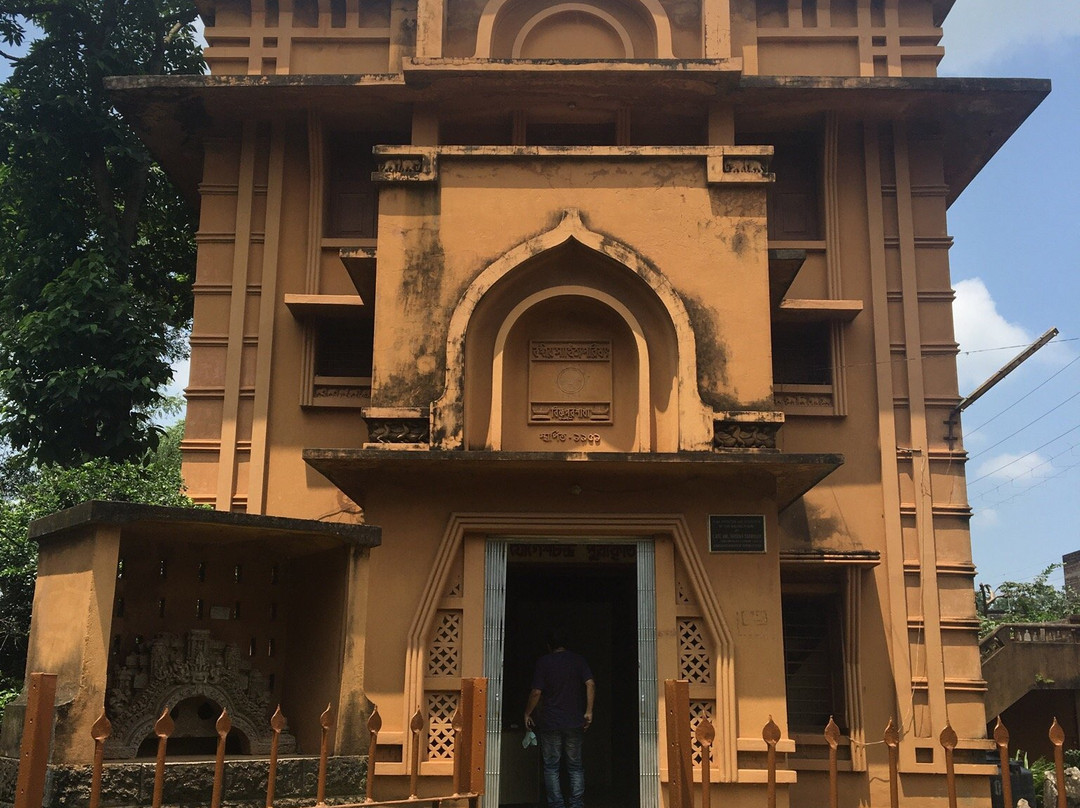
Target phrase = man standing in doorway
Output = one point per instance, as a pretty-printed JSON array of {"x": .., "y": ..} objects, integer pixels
[{"x": 563, "y": 686}]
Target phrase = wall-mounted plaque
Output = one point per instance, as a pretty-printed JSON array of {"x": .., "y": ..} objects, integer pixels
[
  {"x": 570, "y": 382},
  {"x": 736, "y": 533}
]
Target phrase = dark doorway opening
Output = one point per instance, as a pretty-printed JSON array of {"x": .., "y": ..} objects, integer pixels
[{"x": 595, "y": 603}]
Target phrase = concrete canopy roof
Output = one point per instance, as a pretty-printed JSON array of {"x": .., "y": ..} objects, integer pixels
[
  {"x": 974, "y": 116},
  {"x": 293, "y": 537},
  {"x": 354, "y": 470}
]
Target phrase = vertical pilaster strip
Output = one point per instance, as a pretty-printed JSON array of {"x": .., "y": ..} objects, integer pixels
[
  {"x": 716, "y": 29},
  {"x": 237, "y": 304},
  {"x": 648, "y": 697},
  {"x": 494, "y": 640},
  {"x": 866, "y": 58},
  {"x": 834, "y": 269},
  {"x": 284, "y": 35},
  {"x": 835, "y": 278},
  {"x": 920, "y": 455},
  {"x": 316, "y": 190},
  {"x": 430, "y": 28},
  {"x": 316, "y": 170},
  {"x": 894, "y": 607},
  {"x": 794, "y": 14},
  {"x": 824, "y": 14},
  {"x": 853, "y": 664},
  {"x": 267, "y": 303}
]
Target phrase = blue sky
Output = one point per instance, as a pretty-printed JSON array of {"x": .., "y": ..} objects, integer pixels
[{"x": 1015, "y": 271}]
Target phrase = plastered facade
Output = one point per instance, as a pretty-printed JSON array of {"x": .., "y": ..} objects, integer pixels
[{"x": 569, "y": 280}]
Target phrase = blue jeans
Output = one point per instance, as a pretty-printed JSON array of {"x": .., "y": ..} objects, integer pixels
[{"x": 556, "y": 746}]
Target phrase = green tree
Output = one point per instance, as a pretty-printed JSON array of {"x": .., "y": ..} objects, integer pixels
[
  {"x": 30, "y": 494},
  {"x": 1036, "y": 601},
  {"x": 96, "y": 248}
]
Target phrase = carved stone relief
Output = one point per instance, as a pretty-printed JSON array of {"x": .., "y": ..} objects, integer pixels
[
  {"x": 418, "y": 167},
  {"x": 169, "y": 669},
  {"x": 788, "y": 400},
  {"x": 741, "y": 435},
  {"x": 398, "y": 430}
]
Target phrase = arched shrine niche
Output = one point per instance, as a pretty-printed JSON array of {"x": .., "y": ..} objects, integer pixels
[
  {"x": 571, "y": 351},
  {"x": 541, "y": 29}
]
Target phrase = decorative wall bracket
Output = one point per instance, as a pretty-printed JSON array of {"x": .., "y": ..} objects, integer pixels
[
  {"x": 743, "y": 430},
  {"x": 746, "y": 165},
  {"x": 397, "y": 427},
  {"x": 410, "y": 165}
]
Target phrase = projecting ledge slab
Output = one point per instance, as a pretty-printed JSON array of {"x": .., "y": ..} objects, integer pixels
[
  {"x": 292, "y": 536},
  {"x": 353, "y": 470}
]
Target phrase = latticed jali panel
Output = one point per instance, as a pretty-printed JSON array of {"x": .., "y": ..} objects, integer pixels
[
  {"x": 444, "y": 650},
  {"x": 699, "y": 710},
  {"x": 695, "y": 662},
  {"x": 441, "y": 706}
]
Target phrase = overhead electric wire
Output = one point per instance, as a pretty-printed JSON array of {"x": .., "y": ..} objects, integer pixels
[
  {"x": 1025, "y": 426},
  {"x": 970, "y": 432},
  {"x": 1023, "y": 456},
  {"x": 998, "y": 487},
  {"x": 1043, "y": 481}
]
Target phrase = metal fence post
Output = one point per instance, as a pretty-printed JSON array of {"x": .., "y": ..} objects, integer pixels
[{"x": 36, "y": 740}]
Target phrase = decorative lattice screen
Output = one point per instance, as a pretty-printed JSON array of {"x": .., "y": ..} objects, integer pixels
[
  {"x": 695, "y": 663},
  {"x": 441, "y": 706},
  {"x": 444, "y": 650}
]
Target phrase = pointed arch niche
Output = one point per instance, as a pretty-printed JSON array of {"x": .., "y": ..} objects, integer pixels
[{"x": 567, "y": 290}]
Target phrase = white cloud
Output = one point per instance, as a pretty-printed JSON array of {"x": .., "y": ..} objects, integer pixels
[
  {"x": 984, "y": 518},
  {"x": 980, "y": 32},
  {"x": 979, "y": 327},
  {"x": 988, "y": 341},
  {"x": 1009, "y": 467}
]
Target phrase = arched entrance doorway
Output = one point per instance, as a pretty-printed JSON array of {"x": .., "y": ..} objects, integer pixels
[{"x": 602, "y": 593}]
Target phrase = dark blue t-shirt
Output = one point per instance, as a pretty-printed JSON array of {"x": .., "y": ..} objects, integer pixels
[{"x": 560, "y": 677}]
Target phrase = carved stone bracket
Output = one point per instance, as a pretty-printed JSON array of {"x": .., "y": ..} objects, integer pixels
[
  {"x": 169, "y": 669},
  {"x": 746, "y": 430},
  {"x": 414, "y": 165},
  {"x": 749, "y": 165},
  {"x": 404, "y": 427},
  {"x": 791, "y": 400}
]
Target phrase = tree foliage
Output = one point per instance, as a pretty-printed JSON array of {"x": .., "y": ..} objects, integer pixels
[
  {"x": 29, "y": 494},
  {"x": 96, "y": 248},
  {"x": 1035, "y": 601}
]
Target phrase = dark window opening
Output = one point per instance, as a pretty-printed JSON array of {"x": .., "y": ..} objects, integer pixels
[
  {"x": 337, "y": 13},
  {"x": 802, "y": 353},
  {"x": 352, "y": 201},
  {"x": 344, "y": 347},
  {"x": 813, "y": 661},
  {"x": 795, "y": 198}
]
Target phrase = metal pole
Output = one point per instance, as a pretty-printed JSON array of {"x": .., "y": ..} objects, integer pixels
[
  {"x": 648, "y": 695},
  {"x": 983, "y": 388},
  {"x": 494, "y": 640}
]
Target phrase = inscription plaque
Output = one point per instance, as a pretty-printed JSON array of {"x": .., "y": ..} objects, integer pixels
[
  {"x": 570, "y": 382},
  {"x": 730, "y": 533}
]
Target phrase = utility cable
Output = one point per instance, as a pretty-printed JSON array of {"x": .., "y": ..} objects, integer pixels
[
  {"x": 1021, "y": 457},
  {"x": 970, "y": 432},
  {"x": 1025, "y": 426},
  {"x": 998, "y": 487}
]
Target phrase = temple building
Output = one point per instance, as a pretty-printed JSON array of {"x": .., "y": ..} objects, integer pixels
[{"x": 631, "y": 316}]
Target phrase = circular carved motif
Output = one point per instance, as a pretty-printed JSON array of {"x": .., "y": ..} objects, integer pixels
[{"x": 570, "y": 380}]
